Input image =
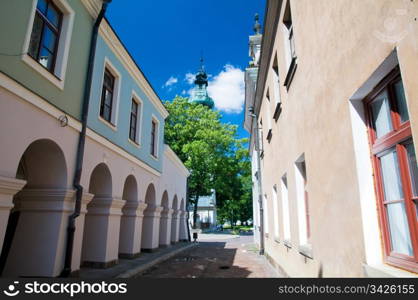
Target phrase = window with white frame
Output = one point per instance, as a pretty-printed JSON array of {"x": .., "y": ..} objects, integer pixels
[
  {"x": 135, "y": 120},
  {"x": 109, "y": 97},
  {"x": 285, "y": 209},
  {"x": 268, "y": 112},
  {"x": 275, "y": 212},
  {"x": 302, "y": 201},
  {"x": 154, "y": 138},
  {"x": 276, "y": 85},
  {"x": 48, "y": 38}
]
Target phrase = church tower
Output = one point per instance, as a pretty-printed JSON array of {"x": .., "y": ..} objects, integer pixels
[{"x": 200, "y": 92}]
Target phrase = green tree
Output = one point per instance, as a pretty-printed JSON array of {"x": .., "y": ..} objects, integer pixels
[{"x": 206, "y": 146}]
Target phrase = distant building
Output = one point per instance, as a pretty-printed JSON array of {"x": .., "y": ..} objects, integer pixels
[
  {"x": 206, "y": 211},
  {"x": 251, "y": 73}
]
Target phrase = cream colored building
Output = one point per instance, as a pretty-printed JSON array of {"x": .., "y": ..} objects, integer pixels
[{"x": 335, "y": 100}]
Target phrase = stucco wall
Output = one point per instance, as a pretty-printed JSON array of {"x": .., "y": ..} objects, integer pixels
[
  {"x": 14, "y": 21},
  {"x": 120, "y": 135},
  {"x": 338, "y": 50}
]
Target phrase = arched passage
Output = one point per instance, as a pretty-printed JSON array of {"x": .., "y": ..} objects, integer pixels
[
  {"x": 175, "y": 221},
  {"x": 131, "y": 220},
  {"x": 34, "y": 243},
  {"x": 165, "y": 222},
  {"x": 102, "y": 222},
  {"x": 151, "y": 222}
]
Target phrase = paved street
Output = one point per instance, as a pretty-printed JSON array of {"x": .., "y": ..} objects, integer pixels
[{"x": 216, "y": 256}]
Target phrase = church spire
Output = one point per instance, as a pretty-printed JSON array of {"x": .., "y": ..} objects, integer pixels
[{"x": 200, "y": 93}]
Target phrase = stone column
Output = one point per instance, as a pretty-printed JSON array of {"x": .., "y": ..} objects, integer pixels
[
  {"x": 101, "y": 233},
  {"x": 151, "y": 228},
  {"x": 8, "y": 188},
  {"x": 131, "y": 229},
  {"x": 183, "y": 229},
  {"x": 79, "y": 230},
  {"x": 165, "y": 228},
  {"x": 175, "y": 227},
  {"x": 39, "y": 241}
]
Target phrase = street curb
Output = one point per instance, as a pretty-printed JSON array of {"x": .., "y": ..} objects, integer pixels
[{"x": 142, "y": 268}]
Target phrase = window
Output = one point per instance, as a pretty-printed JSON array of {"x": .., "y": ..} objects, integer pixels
[
  {"x": 276, "y": 213},
  {"x": 285, "y": 209},
  {"x": 43, "y": 46},
  {"x": 290, "y": 49},
  {"x": 261, "y": 139},
  {"x": 106, "y": 105},
  {"x": 134, "y": 121},
  {"x": 268, "y": 112},
  {"x": 396, "y": 169},
  {"x": 154, "y": 132},
  {"x": 276, "y": 83},
  {"x": 303, "y": 201}
]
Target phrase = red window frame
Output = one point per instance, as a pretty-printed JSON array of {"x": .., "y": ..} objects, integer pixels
[{"x": 400, "y": 136}]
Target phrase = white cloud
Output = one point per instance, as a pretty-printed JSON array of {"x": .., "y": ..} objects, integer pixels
[
  {"x": 190, "y": 77},
  {"x": 172, "y": 80},
  {"x": 227, "y": 90}
]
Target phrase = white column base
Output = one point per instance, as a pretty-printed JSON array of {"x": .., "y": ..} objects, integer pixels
[
  {"x": 101, "y": 232},
  {"x": 151, "y": 228},
  {"x": 131, "y": 229},
  {"x": 38, "y": 245}
]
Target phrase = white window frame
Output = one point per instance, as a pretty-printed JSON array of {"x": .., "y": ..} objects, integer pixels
[
  {"x": 157, "y": 137},
  {"x": 300, "y": 197},
  {"x": 58, "y": 76},
  {"x": 285, "y": 208},
  {"x": 276, "y": 213},
  {"x": 137, "y": 99},
  {"x": 116, "y": 94}
]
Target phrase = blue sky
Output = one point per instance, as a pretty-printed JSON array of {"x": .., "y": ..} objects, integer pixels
[{"x": 166, "y": 38}]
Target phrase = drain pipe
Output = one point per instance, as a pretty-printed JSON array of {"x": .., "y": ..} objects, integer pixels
[
  {"x": 259, "y": 182},
  {"x": 81, "y": 143}
]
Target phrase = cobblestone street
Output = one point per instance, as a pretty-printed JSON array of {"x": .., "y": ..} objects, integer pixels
[{"x": 216, "y": 256}]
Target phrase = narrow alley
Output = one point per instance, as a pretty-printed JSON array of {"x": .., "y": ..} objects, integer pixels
[{"x": 216, "y": 256}]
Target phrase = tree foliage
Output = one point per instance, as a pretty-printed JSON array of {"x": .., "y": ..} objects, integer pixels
[{"x": 210, "y": 150}]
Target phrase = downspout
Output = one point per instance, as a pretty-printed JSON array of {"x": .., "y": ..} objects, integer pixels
[
  {"x": 259, "y": 181},
  {"x": 81, "y": 144},
  {"x": 187, "y": 210}
]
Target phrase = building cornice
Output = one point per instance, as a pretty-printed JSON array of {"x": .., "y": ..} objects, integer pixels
[
  {"x": 271, "y": 21},
  {"x": 169, "y": 153},
  {"x": 93, "y": 7},
  {"x": 115, "y": 44}
]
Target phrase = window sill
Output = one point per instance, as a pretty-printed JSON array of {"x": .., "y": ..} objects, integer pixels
[
  {"x": 134, "y": 143},
  {"x": 291, "y": 73},
  {"x": 154, "y": 157},
  {"x": 386, "y": 271},
  {"x": 306, "y": 250},
  {"x": 287, "y": 243},
  {"x": 277, "y": 111},
  {"x": 59, "y": 83},
  {"x": 107, "y": 123}
]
